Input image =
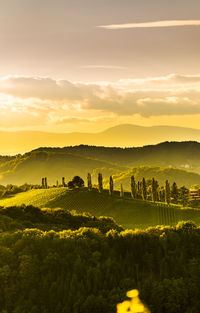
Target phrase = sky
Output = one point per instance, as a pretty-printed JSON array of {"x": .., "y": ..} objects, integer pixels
[{"x": 74, "y": 65}]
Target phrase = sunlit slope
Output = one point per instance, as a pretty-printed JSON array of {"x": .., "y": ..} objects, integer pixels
[
  {"x": 127, "y": 212},
  {"x": 181, "y": 177},
  {"x": 36, "y": 197},
  {"x": 31, "y": 167}
]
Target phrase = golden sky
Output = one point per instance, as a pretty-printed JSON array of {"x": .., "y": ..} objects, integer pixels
[{"x": 87, "y": 65}]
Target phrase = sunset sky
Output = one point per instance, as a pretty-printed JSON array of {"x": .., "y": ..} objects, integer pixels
[{"x": 74, "y": 65}]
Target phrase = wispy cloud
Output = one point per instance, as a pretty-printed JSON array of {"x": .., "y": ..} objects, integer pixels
[
  {"x": 168, "y": 23},
  {"x": 72, "y": 120}
]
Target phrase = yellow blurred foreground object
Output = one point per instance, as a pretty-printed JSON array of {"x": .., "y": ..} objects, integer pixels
[{"x": 134, "y": 305}]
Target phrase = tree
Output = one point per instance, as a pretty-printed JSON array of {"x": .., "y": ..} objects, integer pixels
[
  {"x": 121, "y": 191},
  {"x": 100, "y": 182},
  {"x": 133, "y": 187},
  {"x": 111, "y": 186},
  {"x": 139, "y": 187},
  {"x": 183, "y": 195},
  {"x": 167, "y": 192},
  {"x": 70, "y": 185},
  {"x": 174, "y": 193},
  {"x": 63, "y": 182},
  {"x": 162, "y": 194},
  {"x": 144, "y": 189},
  {"x": 89, "y": 181},
  {"x": 154, "y": 186},
  {"x": 78, "y": 182},
  {"x": 45, "y": 183}
]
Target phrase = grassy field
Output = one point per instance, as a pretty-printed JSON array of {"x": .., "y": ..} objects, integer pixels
[{"x": 127, "y": 212}]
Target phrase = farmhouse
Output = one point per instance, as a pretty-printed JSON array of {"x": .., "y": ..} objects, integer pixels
[{"x": 195, "y": 194}]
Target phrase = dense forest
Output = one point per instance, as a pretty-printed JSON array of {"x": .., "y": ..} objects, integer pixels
[
  {"x": 87, "y": 269},
  {"x": 178, "y": 153},
  {"x": 173, "y": 153},
  {"x": 22, "y": 217}
]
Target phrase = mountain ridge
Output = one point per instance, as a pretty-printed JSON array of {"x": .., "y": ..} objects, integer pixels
[{"x": 123, "y": 135}]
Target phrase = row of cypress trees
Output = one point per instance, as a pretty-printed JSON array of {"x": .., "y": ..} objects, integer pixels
[
  {"x": 137, "y": 189},
  {"x": 44, "y": 183}
]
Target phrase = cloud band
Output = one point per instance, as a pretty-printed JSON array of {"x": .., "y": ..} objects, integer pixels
[
  {"x": 168, "y": 23},
  {"x": 42, "y": 100}
]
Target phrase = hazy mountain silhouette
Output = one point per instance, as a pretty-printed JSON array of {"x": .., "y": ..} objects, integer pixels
[{"x": 125, "y": 135}]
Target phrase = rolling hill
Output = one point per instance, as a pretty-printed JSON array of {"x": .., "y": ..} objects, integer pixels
[
  {"x": 181, "y": 177},
  {"x": 32, "y": 166},
  {"x": 184, "y": 154},
  {"x": 175, "y": 161},
  {"x": 125, "y": 135},
  {"x": 127, "y": 212}
]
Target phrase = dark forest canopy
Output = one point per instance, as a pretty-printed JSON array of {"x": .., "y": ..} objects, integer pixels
[
  {"x": 175, "y": 150},
  {"x": 21, "y": 217},
  {"x": 87, "y": 271}
]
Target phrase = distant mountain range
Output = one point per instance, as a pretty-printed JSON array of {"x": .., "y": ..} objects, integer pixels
[{"x": 125, "y": 135}]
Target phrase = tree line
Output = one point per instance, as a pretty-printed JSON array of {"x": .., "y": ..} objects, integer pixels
[
  {"x": 147, "y": 189},
  {"x": 29, "y": 216}
]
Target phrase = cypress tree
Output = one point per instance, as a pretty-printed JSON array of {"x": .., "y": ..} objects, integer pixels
[
  {"x": 45, "y": 182},
  {"x": 157, "y": 190},
  {"x": 138, "y": 192},
  {"x": 100, "y": 182},
  {"x": 89, "y": 181},
  {"x": 154, "y": 189},
  {"x": 111, "y": 186},
  {"x": 167, "y": 192},
  {"x": 174, "y": 193},
  {"x": 144, "y": 189},
  {"x": 63, "y": 181},
  {"x": 133, "y": 187},
  {"x": 121, "y": 191},
  {"x": 162, "y": 194}
]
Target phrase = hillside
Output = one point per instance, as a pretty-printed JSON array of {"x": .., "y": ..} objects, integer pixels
[
  {"x": 127, "y": 212},
  {"x": 181, "y": 177},
  {"x": 178, "y": 153},
  {"x": 30, "y": 167},
  {"x": 184, "y": 154},
  {"x": 162, "y": 161},
  {"x": 125, "y": 135}
]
